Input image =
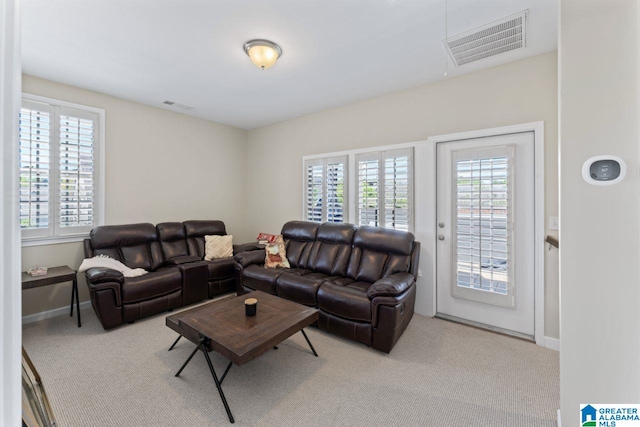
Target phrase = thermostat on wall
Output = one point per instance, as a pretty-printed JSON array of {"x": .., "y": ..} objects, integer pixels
[{"x": 604, "y": 170}]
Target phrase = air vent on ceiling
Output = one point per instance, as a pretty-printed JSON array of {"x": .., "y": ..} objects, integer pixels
[
  {"x": 492, "y": 39},
  {"x": 176, "y": 105}
]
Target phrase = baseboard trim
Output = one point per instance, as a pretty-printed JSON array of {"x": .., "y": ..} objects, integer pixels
[
  {"x": 51, "y": 313},
  {"x": 552, "y": 343},
  {"x": 559, "y": 420}
]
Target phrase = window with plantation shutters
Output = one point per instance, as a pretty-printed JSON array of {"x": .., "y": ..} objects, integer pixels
[
  {"x": 325, "y": 189},
  {"x": 385, "y": 189},
  {"x": 34, "y": 148},
  {"x": 60, "y": 184}
]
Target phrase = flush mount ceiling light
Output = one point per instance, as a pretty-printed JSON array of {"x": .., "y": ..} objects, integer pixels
[{"x": 263, "y": 53}]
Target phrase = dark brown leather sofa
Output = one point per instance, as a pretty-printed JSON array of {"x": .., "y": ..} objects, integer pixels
[
  {"x": 362, "y": 280},
  {"x": 172, "y": 252}
]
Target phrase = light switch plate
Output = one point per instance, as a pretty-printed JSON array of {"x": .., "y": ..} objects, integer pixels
[{"x": 554, "y": 223}]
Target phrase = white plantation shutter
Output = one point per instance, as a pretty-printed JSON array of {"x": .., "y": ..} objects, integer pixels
[
  {"x": 76, "y": 184},
  {"x": 335, "y": 169},
  {"x": 59, "y": 157},
  {"x": 368, "y": 189},
  {"x": 35, "y": 128},
  {"x": 385, "y": 189},
  {"x": 314, "y": 188},
  {"x": 325, "y": 189},
  {"x": 397, "y": 189}
]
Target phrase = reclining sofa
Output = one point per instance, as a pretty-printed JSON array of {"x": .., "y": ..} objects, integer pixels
[
  {"x": 173, "y": 254},
  {"x": 362, "y": 280}
]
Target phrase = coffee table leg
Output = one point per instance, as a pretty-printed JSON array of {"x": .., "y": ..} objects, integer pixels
[
  {"x": 309, "y": 342},
  {"x": 175, "y": 342},
  {"x": 188, "y": 360},
  {"x": 215, "y": 379},
  {"x": 226, "y": 371}
]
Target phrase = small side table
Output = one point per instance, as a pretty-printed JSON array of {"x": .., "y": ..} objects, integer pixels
[{"x": 55, "y": 275}]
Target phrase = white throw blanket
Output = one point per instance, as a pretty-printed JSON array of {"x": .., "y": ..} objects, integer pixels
[{"x": 108, "y": 262}]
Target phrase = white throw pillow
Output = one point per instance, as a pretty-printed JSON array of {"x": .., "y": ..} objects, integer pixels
[{"x": 216, "y": 247}]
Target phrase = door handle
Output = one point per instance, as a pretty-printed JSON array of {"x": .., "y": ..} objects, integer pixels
[{"x": 440, "y": 236}]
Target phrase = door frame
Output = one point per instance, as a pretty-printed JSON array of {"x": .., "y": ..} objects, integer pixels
[{"x": 539, "y": 208}]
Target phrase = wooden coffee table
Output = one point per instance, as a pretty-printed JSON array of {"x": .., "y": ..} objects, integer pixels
[{"x": 223, "y": 327}]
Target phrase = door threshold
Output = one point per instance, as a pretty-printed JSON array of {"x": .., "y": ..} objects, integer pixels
[{"x": 495, "y": 329}]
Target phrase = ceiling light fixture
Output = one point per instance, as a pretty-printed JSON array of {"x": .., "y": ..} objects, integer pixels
[{"x": 263, "y": 53}]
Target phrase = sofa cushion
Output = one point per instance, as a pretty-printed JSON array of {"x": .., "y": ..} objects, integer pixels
[
  {"x": 299, "y": 288},
  {"x": 261, "y": 279},
  {"x": 331, "y": 251},
  {"x": 217, "y": 247},
  {"x": 196, "y": 230},
  {"x": 379, "y": 253},
  {"x": 152, "y": 285},
  {"x": 349, "y": 302},
  {"x": 299, "y": 237},
  {"x": 173, "y": 240},
  {"x": 135, "y": 245},
  {"x": 220, "y": 268}
]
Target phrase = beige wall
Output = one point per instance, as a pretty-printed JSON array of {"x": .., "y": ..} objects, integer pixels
[
  {"x": 160, "y": 166},
  {"x": 600, "y": 231},
  {"x": 519, "y": 92}
]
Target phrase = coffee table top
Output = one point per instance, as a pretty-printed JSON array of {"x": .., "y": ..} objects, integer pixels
[{"x": 234, "y": 335}]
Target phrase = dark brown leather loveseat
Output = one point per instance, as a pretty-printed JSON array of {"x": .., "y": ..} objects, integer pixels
[
  {"x": 362, "y": 280},
  {"x": 172, "y": 252}
]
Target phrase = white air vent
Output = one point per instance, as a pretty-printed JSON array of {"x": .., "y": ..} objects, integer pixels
[
  {"x": 176, "y": 105},
  {"x": 489, "y": 40}
]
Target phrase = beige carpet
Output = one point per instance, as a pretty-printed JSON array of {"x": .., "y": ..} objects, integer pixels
[{"x": 439, "y": 373}]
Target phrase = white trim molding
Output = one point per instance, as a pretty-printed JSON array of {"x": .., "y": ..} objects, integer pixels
[
  {"x": 430, "y": 244},
  {"x": 60, "y": 311},
  {"x": 10, "y": 254},
  {"x": 552, "y": 343}
]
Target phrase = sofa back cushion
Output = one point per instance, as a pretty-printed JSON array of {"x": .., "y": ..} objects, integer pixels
[
  {"x": 135, "y": 245},
  {"x": 299, "y": 237},
  {"x": 378, "y": 253},
  {"x": 331, "y": 251},
  {"x": 173, "y": 240},
  {"x": 195, "y": 232}
]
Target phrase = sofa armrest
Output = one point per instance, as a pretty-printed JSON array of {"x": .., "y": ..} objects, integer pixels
[
  {"x": 182, "y": 260},
  {"x": 244, "y": 247},
  {"x": 102, "y": 275},
  {"x": 100, "y": 278},
  {"x": 391, "y": 286},
  {"x": 248, "y": 258}
]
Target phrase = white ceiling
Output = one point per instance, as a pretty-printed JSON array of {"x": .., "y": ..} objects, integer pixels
[{"x": 335, "y": 52}]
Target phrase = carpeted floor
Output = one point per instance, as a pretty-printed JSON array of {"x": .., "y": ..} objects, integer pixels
[{"x": 439, "y": 373}]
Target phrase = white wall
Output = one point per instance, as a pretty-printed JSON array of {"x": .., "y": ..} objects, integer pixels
[
  {"x": 519, "y": 92},
  {"x": 600, "y": 226},
  {"x": 160, "y": 166}
]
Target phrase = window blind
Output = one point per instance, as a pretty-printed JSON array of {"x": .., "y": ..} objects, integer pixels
[
  {"x": 325, "y": 189},
  {"x": 35, "y": 161},
  {"x": 76, "y": 171},
  {"x": 368, "y": 190},
  {"x": 314, "y": 184},
  {"x": 482, "y": 219},
  {"x": 397, "y": 214},
  {"x": 385, "y": 189},
  {"x": 335, "y": 190}
]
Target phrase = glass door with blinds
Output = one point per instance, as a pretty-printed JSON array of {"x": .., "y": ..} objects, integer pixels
[{"x": 485, "y": 257}]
